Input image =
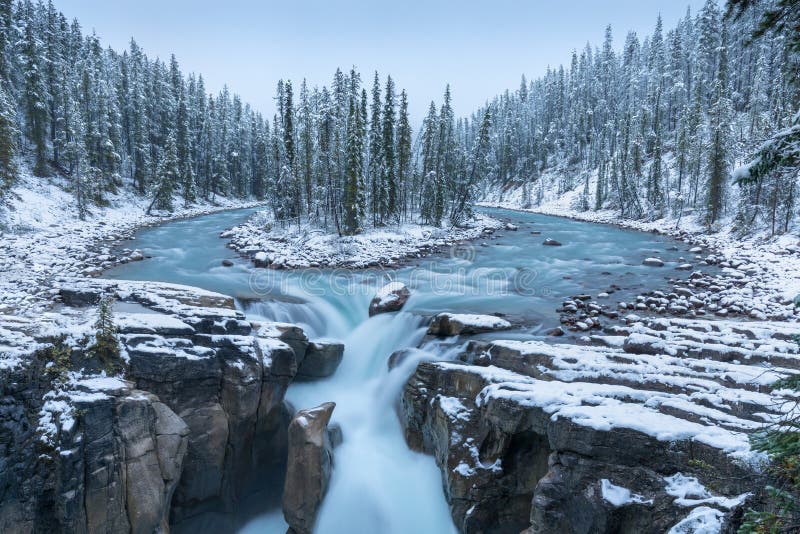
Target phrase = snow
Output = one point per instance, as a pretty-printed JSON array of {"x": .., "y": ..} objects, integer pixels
[
  {"x": 488, "y": 322},
  {"x": 308, "y": 245},
  {"x": 689, "y": 492},
  {"x": 701, "y": 520},
  {"x": 41, "y": 237},
  {"x": 150, "y": 323},
  {"x": 453, "y": 407},
  {"x": 618, "y": 496}
]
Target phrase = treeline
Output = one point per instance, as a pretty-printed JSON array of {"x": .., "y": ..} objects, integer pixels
[
  {"x": 346, "y": 157},
  {"x": 658, "y": 129},
  {"x": 108, "y": 122}
]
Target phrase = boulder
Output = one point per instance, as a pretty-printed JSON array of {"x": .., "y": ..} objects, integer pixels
[
  {"x": 321, "y": 360},
  {"x": 309, "y": 467},
  {"x": 551, "y": 243},
  {"x": 512, "y": 227},
  {"x": 390, "y": 298},
  {"x": 227, "y": 263},
  {"x": 653, "y": 262},
  {"x": 262, "y": 259},
  {"x": 454, "y": 324}
]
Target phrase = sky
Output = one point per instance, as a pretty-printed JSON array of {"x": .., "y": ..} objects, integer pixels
[{"x": 480, "y": 48}]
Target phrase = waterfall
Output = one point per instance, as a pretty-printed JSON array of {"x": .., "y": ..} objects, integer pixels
[{"x": 378, "y": 484}]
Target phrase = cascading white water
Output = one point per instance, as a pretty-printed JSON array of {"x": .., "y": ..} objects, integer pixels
[{"x": 378, "y": 484}]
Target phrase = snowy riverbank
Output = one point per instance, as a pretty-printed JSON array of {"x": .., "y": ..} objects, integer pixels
[
  {"x": 308, "y": 246},
  {"x": 42, "y": 237},
  {"x": 759, "y": 275}
]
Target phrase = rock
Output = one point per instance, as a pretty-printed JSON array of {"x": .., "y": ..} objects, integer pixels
[
  {"x": 227, "y": 263},
  {"x": 512, "y": 227},
  {"x": 551, "y": 243},
  {"x": 653, "y": 262},
  {"x": 541, "y": 437},
  {"x": 321, "y": 360},
  {"x": 684, "y": 267},
  {"x": 262, "y": 259},
  {"x": 556, "y": 332},
  {"x": 454, "y": 324},
  {"x": 390, "y": 298},
  {"x": 309, "y": 467},
  {"x": 136, "y": 255},
  {"x": 399, "y": 357}
]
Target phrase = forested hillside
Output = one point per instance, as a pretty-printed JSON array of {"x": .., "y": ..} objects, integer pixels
[
  {"x": 107, "y": 121},
  {"x": 667, "y": 125},
  {"x": 665, "y": 128}
]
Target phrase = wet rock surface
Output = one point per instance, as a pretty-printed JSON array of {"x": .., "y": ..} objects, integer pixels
[
  {"x": 454, "y": 324},
  {"x": 390, "y": 298},
  {"x": 309, "y": 467}
]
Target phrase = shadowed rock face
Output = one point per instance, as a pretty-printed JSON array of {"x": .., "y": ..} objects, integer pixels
[
  {"x": 309, "y": 467},
  {"x": 544, "y": 438},
  {"x": 197, "y": 428}
]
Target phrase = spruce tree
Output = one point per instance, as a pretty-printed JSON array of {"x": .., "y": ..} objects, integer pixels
[
  {"x": 8, "y": 142},
  {"x": 404, "y": 139},
  {"x": 35, "y": 102},
  {"x": 375, "y": 168},
  {"x": 168, "y": 177},
  {"x": 389, "y": 207}
]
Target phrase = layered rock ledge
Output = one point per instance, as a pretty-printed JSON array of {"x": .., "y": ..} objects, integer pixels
[
  {"x": 190, "y": 435},
  {"x": 645, "y": 433}
]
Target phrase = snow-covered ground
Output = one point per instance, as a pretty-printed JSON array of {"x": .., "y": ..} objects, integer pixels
[
  {"x": 306, "y": 245},
  {"x": 41, "y": 237}
]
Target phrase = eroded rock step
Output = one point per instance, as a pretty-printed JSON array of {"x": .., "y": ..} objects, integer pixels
[{"x": 635, "y": 437}]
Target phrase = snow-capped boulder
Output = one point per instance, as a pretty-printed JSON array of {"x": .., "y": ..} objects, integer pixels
[
  {"x": 454, "y": 324},
  {"x": 262, "y": 259},
  {"x": 390, "y": 298},
  {"x": 551, "y": 242},
  {"x": 321, "y": 360},
  {"x": 511, "y": 227},
  {"x": 653, "y": 262},
  {"x": 136, "y": 255},
  {"x": 309, "y": 467}
]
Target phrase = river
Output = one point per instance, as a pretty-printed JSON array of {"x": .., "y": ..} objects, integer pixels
[{"x": 378, "y": 484}]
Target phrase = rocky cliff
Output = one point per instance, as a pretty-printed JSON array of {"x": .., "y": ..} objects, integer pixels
[
  {"x": 189, "y": 435},
  {"x": 642, "y": 436}
]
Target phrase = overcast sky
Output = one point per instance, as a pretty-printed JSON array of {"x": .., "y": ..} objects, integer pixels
[{"x": 479, "y": 47}]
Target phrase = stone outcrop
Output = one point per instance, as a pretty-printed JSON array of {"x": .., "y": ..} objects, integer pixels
[
  {"x": 195, "y": 433},
  {"x": 309, "y": 467},
  {"x": 321, "y": 360},
  {"x": 547, "y": 438},
  {"x": 455, "y": 324},
  {"x": 390, "y": 298}
]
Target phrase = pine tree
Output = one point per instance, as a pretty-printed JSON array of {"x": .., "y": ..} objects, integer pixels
[
  {"x": 8, "y": 143},
  {"x": 168, "y": 177},
  {"x": 404, "y": 136},
  {"x": 375, "y": 168},
  {"x": 389, "y": 208},
  {"x": 352, "y": 222},
  {"x": 35, "y": 101},
  {"x": 718, "y": 166},
  {"x": 106, "y": 347}
]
